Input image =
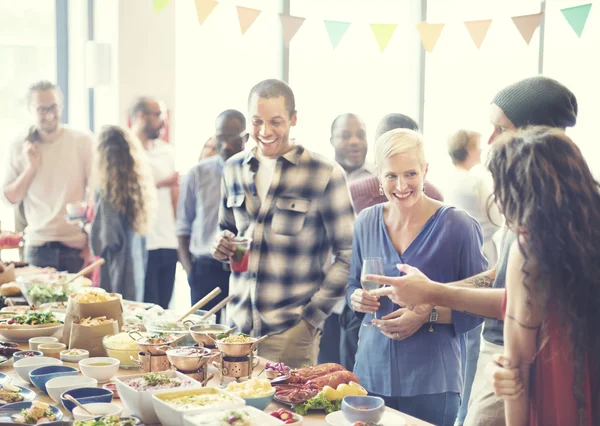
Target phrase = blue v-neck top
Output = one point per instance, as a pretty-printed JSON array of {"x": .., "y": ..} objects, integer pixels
[{"x": 448, "y": 248}]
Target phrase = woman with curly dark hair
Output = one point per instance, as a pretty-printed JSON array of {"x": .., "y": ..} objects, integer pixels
[
  {"x": 552, "y": 202},
  {"x": 124, "y": 208}
]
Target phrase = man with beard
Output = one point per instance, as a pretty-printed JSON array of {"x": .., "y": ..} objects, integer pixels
[
  {"x": 198, "y": 210},
  {"x": 295, "y": 206},
  {"x": 147, "y": 122},
  {"x": 47, "y": 169}
]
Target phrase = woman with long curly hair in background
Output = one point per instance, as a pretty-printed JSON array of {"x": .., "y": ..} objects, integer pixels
[
  {"x": 124, "y": 209},
  {"x": 551, "y": 332}
]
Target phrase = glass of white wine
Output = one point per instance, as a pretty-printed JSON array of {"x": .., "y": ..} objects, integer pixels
[{"x": 371, "y": 266}]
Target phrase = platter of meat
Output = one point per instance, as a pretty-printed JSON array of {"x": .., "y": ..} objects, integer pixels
[{"x": 302, "y": 384}]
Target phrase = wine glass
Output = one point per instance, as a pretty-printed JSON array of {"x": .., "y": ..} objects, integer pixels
[{"x": 371, "y": 266}]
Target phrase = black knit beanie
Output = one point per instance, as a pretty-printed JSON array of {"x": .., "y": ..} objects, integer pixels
[{"x": 538, "y": 101}]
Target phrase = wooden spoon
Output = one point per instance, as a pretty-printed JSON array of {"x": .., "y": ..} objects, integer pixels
[
  {"x": 210, "y": 296},
  {"x": 217, "y": 307},
  {"x": 86, "y": 270},
  {"x": 74, "y": 401}
]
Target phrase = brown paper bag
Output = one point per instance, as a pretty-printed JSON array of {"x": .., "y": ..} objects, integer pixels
[
  {"x": 89, "y": 337},
  {"x": 111, "y": 309}
]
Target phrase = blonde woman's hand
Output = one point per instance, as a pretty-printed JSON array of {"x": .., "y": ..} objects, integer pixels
[
  {"x": 362, "y": 301},
  {"x": 401, "y": 323}
]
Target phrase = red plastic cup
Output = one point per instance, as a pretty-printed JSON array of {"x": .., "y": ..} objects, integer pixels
[{"x": 239, "y": 260}]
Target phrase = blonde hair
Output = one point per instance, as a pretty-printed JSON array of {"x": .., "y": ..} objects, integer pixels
[
  {"x": 459, "y": 144},
  {"x": 399, "y": 141},
  {"x": 123, "y": 177}
]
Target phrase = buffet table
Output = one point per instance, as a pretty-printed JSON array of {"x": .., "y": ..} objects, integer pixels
[{"x": 312, "y": 419}]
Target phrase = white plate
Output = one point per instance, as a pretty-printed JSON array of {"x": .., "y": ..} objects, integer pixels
[
  {"x": 24, "y": 334},
  {"x": 390, "y": 418}
]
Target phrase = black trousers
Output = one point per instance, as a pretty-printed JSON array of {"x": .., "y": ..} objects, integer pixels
[
  {"x": 160, "y": 276},
  {"x": 208, "y": 274},
  {"x": 350, "y": 325}
]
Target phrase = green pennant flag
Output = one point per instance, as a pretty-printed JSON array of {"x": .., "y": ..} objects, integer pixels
[
  {"x": 160, "y": 5},
  {"x": 577, "y": 17},
  {"x": 336, "y": 30},
  {"x": 383, "y": 33}
]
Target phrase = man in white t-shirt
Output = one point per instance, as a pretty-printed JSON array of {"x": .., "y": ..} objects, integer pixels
[
  {"x": 47, "y": 169},
  {"x": 147, "y": 121}
]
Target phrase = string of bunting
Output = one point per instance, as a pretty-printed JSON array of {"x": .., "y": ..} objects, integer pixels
[{"x": 430, "y": 33}]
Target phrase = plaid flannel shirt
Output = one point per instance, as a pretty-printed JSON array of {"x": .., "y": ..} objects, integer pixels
[{"x": 307, "y": 215}]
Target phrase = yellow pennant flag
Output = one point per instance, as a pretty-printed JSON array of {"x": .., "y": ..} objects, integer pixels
[
  {"x": 527, "y": 24},
  {"x": 383, "y": 34},
  {"x": 160, "y": 5},
  {"x": 247, "y": 16},
  {"x": 204, "y": 8},
  {"x": 478, "y": 30},
  {"x": 430, "y": 33},
  {"x": 291, "y": 25}
]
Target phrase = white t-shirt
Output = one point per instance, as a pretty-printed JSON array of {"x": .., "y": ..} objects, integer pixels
[
  {"x": 162, "y": 161},
  {"x": 264, "y": 175},
  {"x": 62, "y": 178}
]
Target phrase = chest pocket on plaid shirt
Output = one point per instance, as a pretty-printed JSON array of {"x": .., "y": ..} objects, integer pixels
[
  {"x": 236, "y": 203},
  {"x": 289, "y": 215}
]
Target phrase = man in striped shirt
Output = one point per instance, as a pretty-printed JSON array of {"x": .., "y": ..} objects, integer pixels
[{"x": 295, "y": 206}]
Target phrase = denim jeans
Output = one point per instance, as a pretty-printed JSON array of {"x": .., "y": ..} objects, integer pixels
[
  {"x": 54, "y": 255},
  {"x": 160, "y": 276},
  {"x": 206, "y": 275},
  {"x": 439, "y": 408}
]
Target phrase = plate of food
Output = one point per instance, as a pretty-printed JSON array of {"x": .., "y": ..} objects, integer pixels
[
  {"x": 390, "y": 418},
  {"x": 32, "y": 413},
  {"x": 10, "y": 394},
  {"x": 21, "y": 328},
  {"x": 109, "y": 421},
  {"x": 246, "y": 416}
]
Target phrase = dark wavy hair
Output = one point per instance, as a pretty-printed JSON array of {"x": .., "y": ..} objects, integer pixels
[{"x": 545, "y": 189}]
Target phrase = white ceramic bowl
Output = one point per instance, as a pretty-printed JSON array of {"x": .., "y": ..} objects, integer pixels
[
  {"x": 24, "y": 334},
  {"x": 55, "y": 387},
  {"x": 97, "y": 409},
  {"x": 139, "y": 403},
  {"x": 102, "y": 373},
  {"x": 256, "y": 416},
  {"x": 74, "y": 358},
  {"x": 24, "y": 366},
  {"x": 34, "y": 342},
  {"x": 171, "y": 415}
]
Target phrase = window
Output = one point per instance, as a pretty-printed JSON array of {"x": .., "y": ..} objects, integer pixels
[
  {"x": 216, "y": 66},
  {"x": 27, "y": 54},
  {"x": 460, "y": 80},
  {"x": 355, "y": 77}
]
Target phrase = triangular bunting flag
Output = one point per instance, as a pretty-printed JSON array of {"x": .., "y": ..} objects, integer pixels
[
  {"x": 577, "y": 17},
  {"x": 291, "y": 25},
  {"x": 430, "y": 33},
  {"x": 527, "y": 24},
  {"x": 160, "y": 5},
  {"x": 478, "y": 30},
  {"x": 204, "y": 8},
  {"x": 336, "y": 31},
  {"x": 383, "y": 34},
  {"x": 247, "y": 16}
]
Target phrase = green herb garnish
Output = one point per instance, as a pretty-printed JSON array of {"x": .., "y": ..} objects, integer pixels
[
  {"x": 318, "y": 402},
  {"x": 156, "y": 379}
]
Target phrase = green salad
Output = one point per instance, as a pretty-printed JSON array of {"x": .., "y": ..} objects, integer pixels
[
  {"x": 43, "y": 293},
  {"x": 318, "y": 402},
  {"x": 106, "y": 421},
  {"x": 34, "y": 318}
]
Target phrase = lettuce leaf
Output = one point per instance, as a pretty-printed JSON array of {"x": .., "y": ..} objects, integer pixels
[{"x": 318, "y": 402}]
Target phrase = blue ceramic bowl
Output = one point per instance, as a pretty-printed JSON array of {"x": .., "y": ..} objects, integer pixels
[
  {"x": 40, "y": 376},
  {"x": 85, "y": 396},
  {"x": 9, "y": 409},
  {"x": 27, "y": 394},
  {"x": 19, "y": 355},
  {"x": 363, "y": 408},
  {"x": 3, "y": 378},
  {"x": 261, "y": 402}
]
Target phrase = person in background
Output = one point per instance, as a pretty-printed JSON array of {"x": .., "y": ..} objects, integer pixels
[
  {"x": 198, "y": 211},
  {"x": 349, "y": 140},
  {"x": 535, "y": 100},
  {"x": 36, "y": 177},
  {"x": 296, "y": 208},
  {"x": 413, "y": 361},
  {"x": 208, "y": 149},
  {"x": 365, "y": 192},
  {"x": 124, "y": 211},
  {"x": 470, "y": 187},
  {"x": 161, "y": 240}
]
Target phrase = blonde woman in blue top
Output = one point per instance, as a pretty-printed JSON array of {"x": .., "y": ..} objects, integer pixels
[{"x": 413, "y": 361}]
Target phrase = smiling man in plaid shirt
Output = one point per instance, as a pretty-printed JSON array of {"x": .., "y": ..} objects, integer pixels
[{"x": 295, "y": 206}]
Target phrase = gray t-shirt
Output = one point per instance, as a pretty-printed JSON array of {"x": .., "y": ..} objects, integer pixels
[{"x": 493, "y": 330}]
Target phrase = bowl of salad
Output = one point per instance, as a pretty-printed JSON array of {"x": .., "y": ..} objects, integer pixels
[
  {"x": 165, "y": 321},
  {"x": 21, "y": 328},
  {"x": 50, "y": 287}
]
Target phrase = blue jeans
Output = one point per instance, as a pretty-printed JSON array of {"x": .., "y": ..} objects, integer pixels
[
  {"x": 160, "y": 276},
  {"x": 439, "y": 409},
  {"x": 473, "y": 346},
  {"x": 54, "y": 255},
  {"x": 329, "y": 350},
  {"x": 206, "y": 275}
]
